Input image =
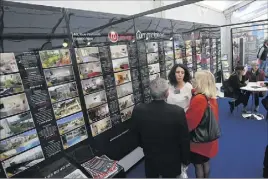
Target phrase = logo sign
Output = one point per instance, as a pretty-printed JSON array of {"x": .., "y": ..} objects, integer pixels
[
  {"x": 154, "y": 35},
  {"x": 113, "y": 36}
]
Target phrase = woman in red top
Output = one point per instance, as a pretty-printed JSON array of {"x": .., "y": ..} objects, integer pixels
[{"x": 204, "y": 82}]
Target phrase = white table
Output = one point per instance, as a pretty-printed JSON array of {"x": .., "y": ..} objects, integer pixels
[{"x": 254, "y": 87}]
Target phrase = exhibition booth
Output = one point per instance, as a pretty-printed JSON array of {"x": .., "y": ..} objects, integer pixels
[{"x": 71, "y": 78}]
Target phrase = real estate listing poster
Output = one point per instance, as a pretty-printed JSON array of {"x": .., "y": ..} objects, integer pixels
[
  {"x": 39, "y": 101},
  {"x": 63, "y": 93}
]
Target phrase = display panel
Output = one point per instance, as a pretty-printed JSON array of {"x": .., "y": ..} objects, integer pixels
[
  {"x": 10, "y": 84},
  {"x": 8, "y": 63},
  {"x": 55, "y": 58}
]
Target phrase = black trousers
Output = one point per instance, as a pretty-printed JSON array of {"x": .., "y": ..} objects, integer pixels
[
  {"x": 241, "y": 98},
  {"x": 155, "y": 170}
]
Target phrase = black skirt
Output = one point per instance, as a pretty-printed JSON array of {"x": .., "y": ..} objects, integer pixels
[{"x": 198, "y": 159}]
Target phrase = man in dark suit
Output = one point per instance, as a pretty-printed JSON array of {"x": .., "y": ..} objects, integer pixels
[{"x": 163, "y": 133}]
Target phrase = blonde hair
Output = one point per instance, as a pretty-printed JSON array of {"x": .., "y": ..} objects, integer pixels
[{"x": 204, "y": 82}]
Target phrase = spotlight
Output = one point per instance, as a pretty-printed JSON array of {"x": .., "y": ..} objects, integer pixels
[
  {"x": 171, "y": 38},
  {"x": 65, "y": 43},
  {"x": 88, "y": 43}
]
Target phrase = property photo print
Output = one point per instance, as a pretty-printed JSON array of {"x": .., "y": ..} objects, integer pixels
[
  {"x": 66, "y": 108},
  {"x": 152, "y": 58},
  {"x": 101, "y": 126},
  {"x": 10, "y": 84},
  {"x": 188, "y": 52},
  {"x": 154, "y": 76},
  {"x": 92, "y": 85},
  {"x": 126, "y": 102},
  {"x": 70, "y": 123},
  {"x": 16, "y": 124},
  {"x": 118, "y": 51},
  {"x": 120, "y": 64},
  {"x": 122, "y": 77},
  {"x": 75, "y": 136},
  {"x": 179, "y": 61},
  {"x": 23, "y": 161},
  {"x": 168, "y": 46},
  {"x": 151, "y": 47},
  {"x": 198, "y": 46},
  {"x": 18, "y": 144},
  {"x": 126, "y": 113},
  {"x": 169, "y": 64},
  {"x": 178, "y": 53},
  {"x": 55, "y": 58},
  {"x": 154, "y": 68},
  {"x": 124, "y": 90},
  {"x": 57, "y": 76},
  {"x": 169, "y": 55},
  {"x": 8, "y": 63},
  {"x": 188, "y": 44},
  {"x": 87, "y": 54},
  {"x": 100, "y": 112},
  {"x": 13, "y": 105},
  {"x": 89, "y": 70},
  {"x": 95, "y": 99},
  {"x": 63, "y": 92}
]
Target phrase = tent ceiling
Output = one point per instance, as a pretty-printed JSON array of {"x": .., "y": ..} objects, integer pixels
[{"x": 218, "y": 5}]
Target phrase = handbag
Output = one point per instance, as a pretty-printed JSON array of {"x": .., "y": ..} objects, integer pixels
[{"x": 208, "y": 129}]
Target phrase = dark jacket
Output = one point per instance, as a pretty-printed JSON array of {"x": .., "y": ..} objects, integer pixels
[
  {"x": 163, "y": 134},
  {"x": 235, "y": 83},
  {"x": 262, "y": 53},
  {"x": 258, "y": 76}
]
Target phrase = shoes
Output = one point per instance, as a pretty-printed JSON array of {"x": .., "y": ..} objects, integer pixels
[{"x": 232, "y": 106}]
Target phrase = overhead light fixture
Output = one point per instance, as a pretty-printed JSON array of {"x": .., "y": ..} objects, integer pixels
[
  {"x": 171, "y": 38},
  {"x": 88, "y": 43}
]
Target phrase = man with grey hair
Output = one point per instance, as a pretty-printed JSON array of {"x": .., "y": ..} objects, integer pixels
[{"x": 162, "y": 132}]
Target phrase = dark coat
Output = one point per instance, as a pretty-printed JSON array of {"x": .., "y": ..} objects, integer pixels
[{"x": 163, "y": 134}]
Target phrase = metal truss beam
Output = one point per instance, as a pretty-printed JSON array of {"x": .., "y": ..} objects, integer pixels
[{"x": 238, "y": 6}]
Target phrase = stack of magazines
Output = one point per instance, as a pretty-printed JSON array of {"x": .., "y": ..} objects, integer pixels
[{"x": 101, "y": 167}]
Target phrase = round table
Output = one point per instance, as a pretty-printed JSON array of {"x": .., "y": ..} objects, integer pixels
[{"x": 254, "y": 87}]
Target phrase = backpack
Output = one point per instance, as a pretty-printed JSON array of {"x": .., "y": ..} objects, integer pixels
[{"x": 208, "y": 129}]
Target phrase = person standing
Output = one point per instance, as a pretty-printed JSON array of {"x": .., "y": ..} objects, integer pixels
[
  {"x": 204, "y": 92},
  {"x": 180, "y": 87},
  {"x": 162, "y": 132},
  {"x": 262, "y": 56}
]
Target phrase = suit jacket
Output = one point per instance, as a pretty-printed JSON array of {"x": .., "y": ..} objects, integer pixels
[{"x": 163, "y": 134}]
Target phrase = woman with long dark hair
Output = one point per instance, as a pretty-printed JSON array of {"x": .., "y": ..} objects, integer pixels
[{"x": 180, "y": 87}]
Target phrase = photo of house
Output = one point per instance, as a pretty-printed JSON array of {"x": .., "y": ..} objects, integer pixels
[
  {"x": 65, "y": 108},
  {"x": 87, "y": 54},
  {"x": 179, "y": 61},
  {"x": 122, "y": 77},
  {"x": 75, "y": 136},
  {"x": 101, "y": 126},
  {"x": 178, "y": 53},
  {"x": 168, "y": 46},
  {"x": 70, "y": 123},
  {"x": 126, "y": 102},
  {"x": 89, "y": 70},
  {"x": 13, "y": 105},
  {"x": 18, "y": 144},
  {"x": 95, "y": 99},
  {"x": 124, "y": 90},
  {"x": 23, "y": 161},
  {"x": 8, "y": 63},
  {"x": 151, "y": 47},
  {"x": 57, "y": 76},
  {"x": 169, "y": 65},
  {"x": 118, "y": 51},
  {"x": 55, "y": 58},
  {"x": 16, "y": 124},
  {"x": 63, "y": 92},
  {"x": 154, "y": 68},
  {"x": 92, "y": 85},
  {"x": 169, "y": 56},
  {"x": 98, "y": 113},
  {"x": 120, "y": 64},
  {"x": 10, "y": 84},
  {"x": 152, "y": 58},
  {"x": 126, "y": 113}
]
